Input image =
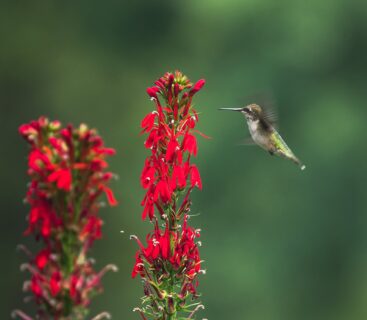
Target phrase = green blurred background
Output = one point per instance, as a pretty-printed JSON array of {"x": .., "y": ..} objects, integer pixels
[{"x": 278, "y": 243}]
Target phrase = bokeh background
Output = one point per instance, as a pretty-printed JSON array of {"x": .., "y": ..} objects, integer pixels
[{"x": 278, "y": 243}]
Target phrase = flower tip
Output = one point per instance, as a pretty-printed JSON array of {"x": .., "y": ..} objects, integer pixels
[
  {"x": 112, "y": 267},
  {"x": 24, "y": 266},
  {"x": 197, "y": 87},
  {"x": 110, "y": 196},
  {"x": 152, "y": 92}
]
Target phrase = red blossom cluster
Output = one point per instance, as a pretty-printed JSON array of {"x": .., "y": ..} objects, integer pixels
[
  {"x": 67, "y": 168},
  {"x": 171, "y": 262},
  {"x": 177, "y": 248}
]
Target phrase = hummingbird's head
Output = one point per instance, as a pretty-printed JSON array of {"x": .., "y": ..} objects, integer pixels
[{"x": 252, "y": 112}]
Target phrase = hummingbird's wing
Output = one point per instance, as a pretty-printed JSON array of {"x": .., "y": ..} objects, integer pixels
[
  {"x": 265, "y": 99},
  {"x": 269, "y": 114},
  {"x": 247, "y": 142}
]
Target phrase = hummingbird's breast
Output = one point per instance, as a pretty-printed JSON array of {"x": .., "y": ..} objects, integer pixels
[{"x": 259, "y": 135}]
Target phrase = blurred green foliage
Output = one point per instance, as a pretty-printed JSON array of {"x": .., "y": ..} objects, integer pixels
[{"x": 278, "y": 243}]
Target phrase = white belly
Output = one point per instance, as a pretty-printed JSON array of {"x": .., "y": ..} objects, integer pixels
[{"x": 256, "y": 136}]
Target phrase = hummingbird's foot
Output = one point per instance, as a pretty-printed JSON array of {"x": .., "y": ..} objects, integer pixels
[{"x": 271, "y": 153}]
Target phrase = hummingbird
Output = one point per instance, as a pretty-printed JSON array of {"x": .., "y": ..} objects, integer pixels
[{"x": 261, "y": 123}]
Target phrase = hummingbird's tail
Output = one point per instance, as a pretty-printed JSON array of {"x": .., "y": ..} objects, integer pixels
[
  {"x": 290, "y": 156},
  {"x": 299, "y": 163},
  {"x": 231, "y": 109}
]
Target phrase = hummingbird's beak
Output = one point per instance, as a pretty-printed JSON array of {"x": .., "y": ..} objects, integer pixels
[{"x": 231, "y": 109}]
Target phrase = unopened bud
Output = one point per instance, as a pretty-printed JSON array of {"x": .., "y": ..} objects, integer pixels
[{"x": 171, "y": 306}]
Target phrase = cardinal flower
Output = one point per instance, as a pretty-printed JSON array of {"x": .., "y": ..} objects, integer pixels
[
  {"x": 171, "y": 254},
  {"x": 68, "y": 175}
]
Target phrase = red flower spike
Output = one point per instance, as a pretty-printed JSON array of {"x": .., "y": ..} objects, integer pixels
[
  {"x": 171, "y": 254},
  {"x": 67, "y": 171}
]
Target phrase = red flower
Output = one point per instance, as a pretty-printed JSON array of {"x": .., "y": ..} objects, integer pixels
[
  {"x": 138, "y": 267},
  {"x": 148, "y": 209},
  {"x": 62, "y": 177},
  {"x": 148, "y": 122},
  {"x": 189, "y": 144},
  {"x": 55, "y": 283},
  {"x": 110, "y": 196},
  {"x": 26, "y": 130},
  {"x": 152, "y": 140},
  {"x": 173, "y": 151},
  {"x": 35, "y": 214},
  {"x": 35, "y": 286},
  {"x": 178, "y": 178},
  {"x": 197, "y": 87},
  {"x": 42, "y": 258},
  {"x": 92, "y": 229},
  {"x": 148, "y": 175},
  {"x": 38, "y": 161},
  {"x": 46, "y": 226},
  {"x": 195, "y": 177},
  {"x": 105, "y": 151},
  {"x": 164, "y": 243},
  {"x": 73, "y": 286},
  {"x": 152, "y": 92},
  {"x": 162, "y": 191}
]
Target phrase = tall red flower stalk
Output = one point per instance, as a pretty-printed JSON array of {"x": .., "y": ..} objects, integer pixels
[
  {"x": 67, "y": 169},
  {"x": 170, "y": 262}
]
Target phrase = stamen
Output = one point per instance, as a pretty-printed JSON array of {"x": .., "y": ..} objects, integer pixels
[
  {"x": 20, "y": 314},
  {"x": 23, "y": 248},
  {"x": 103, "y": 315},
  {"x": 200, "y": 306}
]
